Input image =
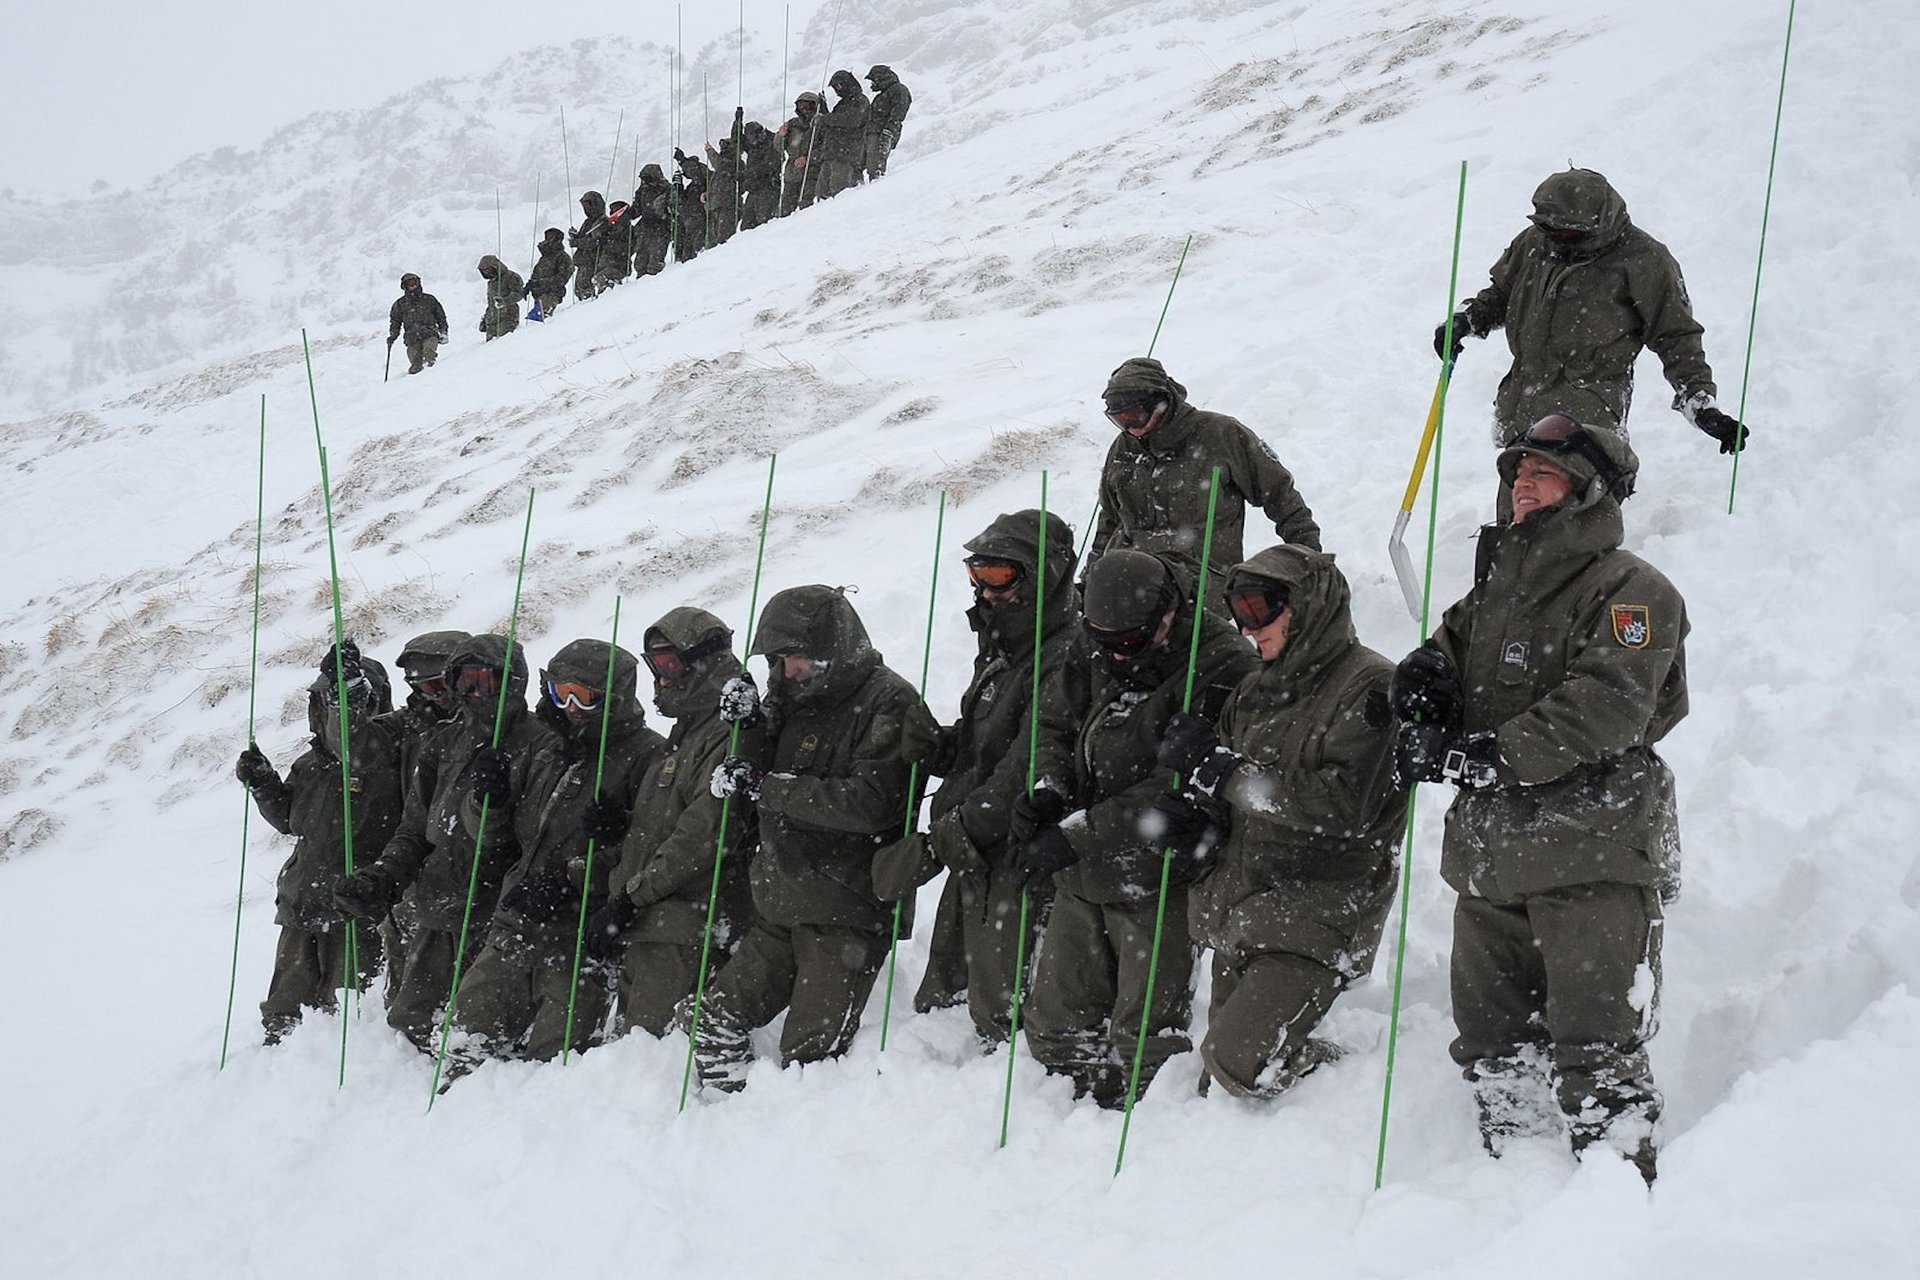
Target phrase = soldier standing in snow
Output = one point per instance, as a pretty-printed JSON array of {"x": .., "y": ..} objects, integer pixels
[
  {"x": 515, "y": 1001},
  {"x": 656, "y": 908},
  {"x": 653, "y": 221},
  {"x": 1580, "y": 293},
  {"x": 885, "y": 115},
  {"x": 1300, "y": 774},
  {"x": 797, "y": 137},
  {"x": 310, "y": 961},
  {"x": 690, "y": 188},
  {"x": 1092, "y": 826},
  {"x": 1541, "y": 697},
  {"x": 504, "y": 287},
  {"x": 760, "y": 177},
  {"x": 842, "y": 149},
  {"x": 1155, "y": 482},
  {"x": 723, "y": 192},
  {"x": 830, "y": 788},
  {"x": 616, "y": 247},
  {"x": 586, "y": 240},
  {"x": 422, "y": 318},
  {"x": 547, "y": 286}
]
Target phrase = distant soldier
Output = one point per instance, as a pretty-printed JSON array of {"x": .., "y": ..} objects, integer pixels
[
  {"x": 1580, "y": 293},
  {"x": 760, "y": 176},
  {"x": 1154, "y": 485},
  {"x": 1299, "y": 774},
  {"x": 1541, "y": 696},
  {"x": 586, "y": 241},
  {"x": 655, "y": 916},
  {"x": 842, "y": 147},
  {"x": 690, "y": 186},
  {"x": 547, "y": 286},
  {"x": 723, "y": 190},
  {"x": 430, "y": 704},
  {"x": 885, "y": 115},
  {"x": 310, "y": 959},
  {"x": 797, "y": 138},
  {"x": 504, "y": 289},
  {"x": 422, "y": 318},
  {"x": 1093, "y": 826},
  {"x": 653, "y": 228},
  {"x": 831, "y": 787},
  {"x": 616, "y": 247},
  {"x": 515, "y": 1001}
]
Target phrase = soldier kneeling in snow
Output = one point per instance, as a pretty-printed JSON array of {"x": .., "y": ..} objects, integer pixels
[{"x": 1541, "y": 696}]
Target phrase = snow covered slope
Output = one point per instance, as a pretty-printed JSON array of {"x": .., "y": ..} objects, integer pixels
[{"x": 950, "y": 329}]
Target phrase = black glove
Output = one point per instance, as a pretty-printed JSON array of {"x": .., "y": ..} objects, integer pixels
[
  {"x": 365, "y": 895},
  {"x": 254, "y": 769},
  {"x": 392, "y": 338},
  {"x": 1425, "y": 688},
  {"x": 740, "y": 701},
  {"x": 540, "y": 896},
  {"x": 737, "y": 776},
  {"x": 605, "y": 926},
  {"x": 679, "y": 156},
  {"x": 1722, "y": 426},
  {"x": 1041, "y": 857},
  {"x": 443, "y": 335},
  {"x": 1175, "y": 823},
  {"x": 1420, "y": 752},
  {"x": 330, "y": 666},
  {"x": 1191, "y": 747},
  {"x": 1460, "y": 331},
  {"x": 1473, "y": 763},
  {"x": 490, "y": 775},
  {"x": 605, "y": 820},
  {"x": 1029, "y": 815}
]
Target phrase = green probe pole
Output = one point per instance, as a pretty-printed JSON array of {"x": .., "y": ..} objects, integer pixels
[
  {"x": 480, "y": 835},
  {"x": 1166, "y": 857},
  {"x": 566, "y": 159},
  {"x": 1766, "y": 210},
  {"x": 350, "y": 940},
  {"x": 913, "y": 775},
  {"x": 1033, "y": 760},
  {"x": 614, "y": 159},
  {"x": 726, "y": 807},
  {"x": 1426, "y": 605},
  {"x": 253, "y": 680},
  {"x": 586, "y": 888}
]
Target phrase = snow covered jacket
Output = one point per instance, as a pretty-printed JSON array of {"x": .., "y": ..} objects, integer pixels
[
  {"x": 1576, "y": 320},
  {"x": 1312, "y": 815},
  {"x": 1153, "y": 492},
  {"x": 431, "y": 853},
  {"x": 1571, "y": 652},
  {"x": 797, "y": 134},
  {"x": 547, "y": 825},
  {"x": 891, "y": 100},
  {"x": 987, "y": 752},
  {"x": 504, "y": 288},
  {"x": 1100, "y": 729},
  {"x": 419, "y": 314},
  {"x": 587, "y": 240},
  {"x": 666, "y": 862},
  {"x": 306, "y": 804},
  {"x": 843, "y": 129},
  {"x": 551, "y": 272},
  {"x": 836, "y": 786}
]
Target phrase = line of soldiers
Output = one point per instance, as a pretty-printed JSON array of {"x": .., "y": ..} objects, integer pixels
[
  {"x": 1123, "y": 737},
  {"x": 748, "y": 178}
]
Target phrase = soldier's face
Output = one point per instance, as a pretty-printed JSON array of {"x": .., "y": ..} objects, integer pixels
[
  {"x": 796, "y": 667},
  {"x": 1271, "y": 640},
  {"x": 1538, "y": 484}
]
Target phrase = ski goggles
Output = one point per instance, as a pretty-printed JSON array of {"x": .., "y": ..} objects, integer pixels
[
  {"x": 359, "y": 692},
  {"x": 1124, "y": 644},
  {"x": 1558, "y": 433},
  {"x": 476, "y": 681},
  {"x": 1257, "y": 605},
  {"x": 988, "y": 573},
  {"x": 429, "y": 686},
  {"x": 666, "y": 664},
  {"x": 1131, "y": 415},
  {"x": 571, "y": 693}
]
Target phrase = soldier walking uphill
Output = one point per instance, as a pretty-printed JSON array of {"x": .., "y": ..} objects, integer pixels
[
  {"x": 1093, "y": 826},
  {"x": 586, "y": 240},
  {"x": 310, "y": 959},
  {"x": 760, "y": 176},
  {"x": 653, "y": 221},
  {"x": 431, "y": 856},
  {"x": 656, "y": 910},
  {"x": 1300, "y": 775},
  {"x": 1154, "y": 484},
  {"x": 515, "y": 1000},
  {"x": 983, "y": 758},
  {"x": 797, "y": 137},
  {"x": 1541, "y": 696},
  {"x": 1580, "y": 293},
  {"x": 547, "y": 286},
  {"x": 885, "y": 115},
  {"x": 504, "y": 288},
  {"x": 421, "y": 317},
  {"x": 842, "y": 145},
  {"x": 831, "y": 788},
  {"x": 430, "y": 704}
]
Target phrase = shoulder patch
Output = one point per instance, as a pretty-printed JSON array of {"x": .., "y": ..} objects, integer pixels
[{"x": 1632, "y": 625}]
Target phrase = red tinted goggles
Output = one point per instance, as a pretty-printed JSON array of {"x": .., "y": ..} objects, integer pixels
[
  {"x": 666, "y": 664},
  {"x": 1124, "y": 644},
  {"x": 1256, "y": 607},
  {"x": 475, "y": 682}
]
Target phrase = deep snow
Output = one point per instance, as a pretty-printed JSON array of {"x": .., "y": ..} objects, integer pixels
[{"x": 951, "y": 328}]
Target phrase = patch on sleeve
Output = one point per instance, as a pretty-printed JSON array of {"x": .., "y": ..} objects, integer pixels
[{"x": 1631, "y": 625}]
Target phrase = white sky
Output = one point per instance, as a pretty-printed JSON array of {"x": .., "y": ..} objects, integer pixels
[{"x": 122, "y": 90}]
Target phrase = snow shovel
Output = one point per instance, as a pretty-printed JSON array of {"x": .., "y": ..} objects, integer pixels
[{"x": 1410, "y": 584}]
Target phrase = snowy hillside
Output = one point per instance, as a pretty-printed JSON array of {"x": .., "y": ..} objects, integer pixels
[{"x": 950, "y": 329}]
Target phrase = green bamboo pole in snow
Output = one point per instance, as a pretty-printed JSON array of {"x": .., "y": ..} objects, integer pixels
[{"x": 253, "y": 681}]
